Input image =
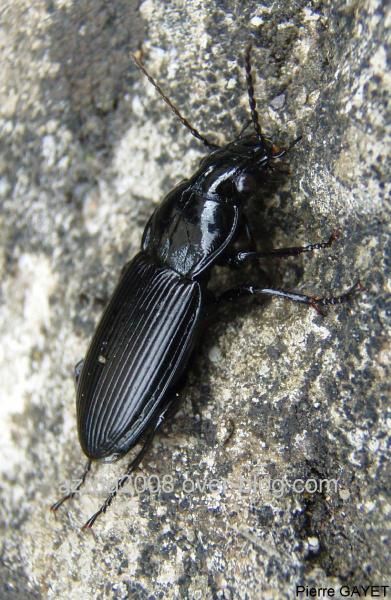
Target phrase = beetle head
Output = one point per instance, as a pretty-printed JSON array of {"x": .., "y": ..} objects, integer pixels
[{"x": 252, "y": 154}]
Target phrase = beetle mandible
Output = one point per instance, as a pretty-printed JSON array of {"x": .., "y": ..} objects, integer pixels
[{"x": 143, "y": 342}]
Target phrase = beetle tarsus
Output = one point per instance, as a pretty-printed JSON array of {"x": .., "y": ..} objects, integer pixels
[
  {"x": 334, "y": 300},
  {"x": 54, "y": 507}
]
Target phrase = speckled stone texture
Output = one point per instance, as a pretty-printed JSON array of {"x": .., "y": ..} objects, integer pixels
[{"x": 276, "y": 394}]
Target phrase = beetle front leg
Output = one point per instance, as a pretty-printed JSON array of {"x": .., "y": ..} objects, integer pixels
[
  {"x": 241, "y": 257},
  {"x": 316, "y": 302}
]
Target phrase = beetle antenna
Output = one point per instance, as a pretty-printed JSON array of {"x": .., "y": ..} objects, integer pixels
[
  {"x": 250, "y": 91},
  {"x": 174, "y": 109}
]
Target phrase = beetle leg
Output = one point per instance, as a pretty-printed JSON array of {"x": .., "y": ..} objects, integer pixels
[
  {"x": 245, "y": 236},
  {"x": 240, "y": 257},
  {"x": 57, "y": 504},
  {"x": 315, "y": 301},
  {"x": 133, "y": 464},
  {"x": 121, "y": 482},
  {"x": 249, "y": 235},
  {"x": 77, "y": 371}
]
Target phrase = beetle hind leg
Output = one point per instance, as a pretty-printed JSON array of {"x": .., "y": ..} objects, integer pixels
[
  {"x": 54, "y": 507},
  {"x": 134, "y": 463},
  {"x": 316, "y": 302},
  {"x": 122, "y": 481}
]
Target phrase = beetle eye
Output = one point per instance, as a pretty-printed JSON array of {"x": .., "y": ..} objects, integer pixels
[{"x": 246, "y": 183}]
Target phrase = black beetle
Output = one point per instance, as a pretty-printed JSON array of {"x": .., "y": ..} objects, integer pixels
[{"x": 142, "y": 345}]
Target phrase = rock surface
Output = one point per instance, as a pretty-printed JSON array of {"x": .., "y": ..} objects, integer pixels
[{"x": 277, "y": 395}]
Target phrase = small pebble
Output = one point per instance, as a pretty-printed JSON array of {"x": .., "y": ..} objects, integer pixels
[{"x": 278, "y": 102}]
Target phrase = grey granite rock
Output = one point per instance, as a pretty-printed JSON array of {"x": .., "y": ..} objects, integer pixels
[{"x": 277, "y": 394}]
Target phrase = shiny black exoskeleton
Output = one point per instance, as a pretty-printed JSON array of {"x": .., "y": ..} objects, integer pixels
[{"x": 152, "y": 323}]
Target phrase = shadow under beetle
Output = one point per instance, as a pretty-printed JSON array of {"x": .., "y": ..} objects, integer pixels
[{"x": 141, "y": 347}]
